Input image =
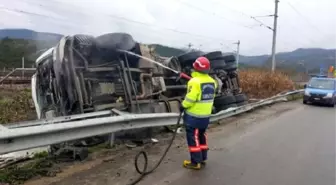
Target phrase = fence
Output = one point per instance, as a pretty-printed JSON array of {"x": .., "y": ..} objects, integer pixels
[{"x": 16, "y": 76}]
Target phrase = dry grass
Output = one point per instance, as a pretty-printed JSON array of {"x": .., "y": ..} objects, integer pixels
[
  {"x": 263, "y": 84},
  {"x": 15, "y": 105}
]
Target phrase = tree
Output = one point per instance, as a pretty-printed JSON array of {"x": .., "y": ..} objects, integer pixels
[{"x": 12, "y": 51}]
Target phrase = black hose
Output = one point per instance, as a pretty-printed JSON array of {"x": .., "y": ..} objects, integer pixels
[{"x": 144, "y": 171}]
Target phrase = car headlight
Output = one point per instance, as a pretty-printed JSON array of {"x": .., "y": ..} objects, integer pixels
[
  {"x": 329, "y": 95},
  {"x": 307, "y": 93}
]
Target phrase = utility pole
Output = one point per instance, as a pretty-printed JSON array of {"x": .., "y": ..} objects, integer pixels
[
  {"x": 237, "y": 53},
  {"x": 274, "y": 34},
  {"x": 189, "y": 46}
]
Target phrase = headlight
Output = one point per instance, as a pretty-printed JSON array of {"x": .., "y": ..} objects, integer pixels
[
  {"x": 307, "y": 93},
  {"x": 329, "y": 95}
]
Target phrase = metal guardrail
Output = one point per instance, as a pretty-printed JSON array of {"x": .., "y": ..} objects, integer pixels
[{"x": 47, "y": 132}]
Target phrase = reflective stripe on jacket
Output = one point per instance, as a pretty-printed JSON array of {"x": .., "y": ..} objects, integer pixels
[{"x": 200, "y": 95}]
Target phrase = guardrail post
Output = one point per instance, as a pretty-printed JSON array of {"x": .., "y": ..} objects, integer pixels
[{"x": 111, "y": 139}]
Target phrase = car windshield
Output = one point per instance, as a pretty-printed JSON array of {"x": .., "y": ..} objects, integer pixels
[{"x": 322, "y": 84}]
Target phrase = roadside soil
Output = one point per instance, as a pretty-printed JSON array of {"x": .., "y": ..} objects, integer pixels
[{"x": 116, "y": 166}]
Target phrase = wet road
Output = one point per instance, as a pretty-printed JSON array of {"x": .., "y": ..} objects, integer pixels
[{"x": 296, "y": 148}]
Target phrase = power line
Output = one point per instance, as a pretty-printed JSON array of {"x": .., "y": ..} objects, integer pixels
[
  {"x": 260, "y": 23},
  {"x": 300, "y": 41},
  {"x": 246, "y": 15},
  {"x": 305, "y": 18},
  {"x": 213, "y": 13},
  {"x": 130, "y": 21},
  {"x": 227, "y": 46},
  {"x": 170, "y": 29},
  {"x": 303, "y": 34},
  {"x": 263, "y": 16}
]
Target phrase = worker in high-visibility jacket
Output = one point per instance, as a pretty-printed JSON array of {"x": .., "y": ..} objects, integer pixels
[{"x": 197, "y": 106}]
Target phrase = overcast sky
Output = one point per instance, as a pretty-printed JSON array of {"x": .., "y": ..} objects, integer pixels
[{"x": 207, "y": 24}]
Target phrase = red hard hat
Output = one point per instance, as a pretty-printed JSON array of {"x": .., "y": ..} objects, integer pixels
[{"x": 202, "y": 64}]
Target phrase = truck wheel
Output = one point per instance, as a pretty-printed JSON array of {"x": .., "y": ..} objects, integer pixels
[
  {"x": 304, "y": 102},
  {"x": 213, "y": 55},
  {"x": 114, "y": 41},
  {"x": 224, "y": 100},
  {"x": 231, "y": 66},
  {"x": 229, "y": 58},
  {"x": 217, "y": 64},
  {"x": 240, "y": 98},
  {"x": 242, "y": 103},
  {"x": 224, "y": 107},
  {"x": 190, "y": 56}
]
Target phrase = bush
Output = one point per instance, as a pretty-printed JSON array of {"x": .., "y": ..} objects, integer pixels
[{"x": 263, "y": 84}]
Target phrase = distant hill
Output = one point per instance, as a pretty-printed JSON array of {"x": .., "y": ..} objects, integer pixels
[
  {"x": 29, "y": 35},
  {"x": 167, "y": 51},
  {"x": 299, "y": 60}
]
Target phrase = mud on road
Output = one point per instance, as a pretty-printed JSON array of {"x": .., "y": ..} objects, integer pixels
[{"x": 116, "y": 166}]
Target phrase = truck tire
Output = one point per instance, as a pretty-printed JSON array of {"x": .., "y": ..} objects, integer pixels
[
  {"x": 213, "y": 55},
  {"x": 224, "y": 100},
  {"x": 240, "y": 98},
  {"x": 242, "y": 103},
  {"x": 231, "y": 66},
  {"x": 86, "y": 40},
  {"x": 224, "y": 107},
  {"x": 217, "y": 64},
  {"x": 229, "y": 58},
  {"x": 114, "y": 41},
  {"x": 190, "y": 56}
]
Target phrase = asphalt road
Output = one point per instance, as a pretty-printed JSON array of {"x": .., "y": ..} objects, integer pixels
[
  {"x": 296, "y": 148},
  {"x": 285, "y": 144}
]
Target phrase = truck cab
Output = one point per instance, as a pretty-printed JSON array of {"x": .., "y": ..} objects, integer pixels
[
  {"x": 39, "y": 98},
  {"x": 320, "y": 90}
]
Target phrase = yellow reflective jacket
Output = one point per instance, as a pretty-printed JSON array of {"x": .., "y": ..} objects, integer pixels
[{"x": 200, "y": 95}]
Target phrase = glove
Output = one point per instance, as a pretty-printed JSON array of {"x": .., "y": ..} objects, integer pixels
[{"x": 181, "y": 108}]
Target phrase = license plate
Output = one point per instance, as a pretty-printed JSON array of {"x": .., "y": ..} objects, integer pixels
[{"x": 316, "y": 98}]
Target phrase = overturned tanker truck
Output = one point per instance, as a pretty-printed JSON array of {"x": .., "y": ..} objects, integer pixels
[{"x": 84, "y": 74}]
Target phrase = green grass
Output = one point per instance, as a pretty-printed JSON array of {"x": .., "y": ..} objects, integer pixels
[{"x": 18, "y": 174}]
